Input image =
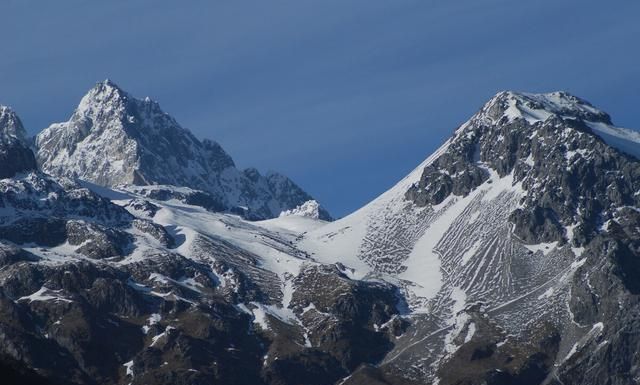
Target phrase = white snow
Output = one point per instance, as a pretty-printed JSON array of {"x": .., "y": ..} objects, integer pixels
[
  {"x": 458, "y": 327},
  {"x": 155, "y": 339},
  {"x": 459, "y": 298},
  {"x": 260, "y": 317},
  {"x": 191, "y": 222},
  {"x": 423, "y": 264},
  {"x": 517, "y": 110},
  {"x": 152, "y": 320},
  {"x": 466, "y": 257},
  {"x": 624, "y": 139},
  {"x": 577, "y": 251},
  {"x": 547, "y": 293},
  {"x": 129, "y": 368},
  {"x": 545, "y": 248},
  {"x": 309, "y": 209},
  {"x": 550, "y": 103},
  {"x": 292, "y": 224},
  {"x": 287, "y": 291},
  {"x": 283, "y": 314},
  {"x": 471, "y": 330},
  {"x": 595, "y": 330},
  {"x": 45, "y": 294},
  {"x": 340, "y": 241},
  {"x": 573, "y": 351}
]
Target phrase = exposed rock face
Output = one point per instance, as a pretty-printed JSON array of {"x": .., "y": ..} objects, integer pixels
[
  {"x": 10, "y": 125},
  {"x": 15, "y": 155},
  {"x": 115, "y": 139}
]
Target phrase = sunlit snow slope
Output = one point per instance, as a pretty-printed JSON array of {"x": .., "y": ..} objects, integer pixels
[{"x": 464, "y": 249}]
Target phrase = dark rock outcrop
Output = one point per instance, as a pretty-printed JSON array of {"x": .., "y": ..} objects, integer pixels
[{"x": 15, "y": 155}]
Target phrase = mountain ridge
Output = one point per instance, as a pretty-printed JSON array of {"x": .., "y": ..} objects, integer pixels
[
  {"x": 515, "y": 171},
  {"x": 504, "y": 258},
  {"x": 113, "y": 138}
]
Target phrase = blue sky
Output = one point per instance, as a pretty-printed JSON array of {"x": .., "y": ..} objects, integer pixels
[{"x": 344, "y": 96}]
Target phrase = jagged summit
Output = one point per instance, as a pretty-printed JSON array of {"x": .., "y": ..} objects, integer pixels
[
  {"x": 113, "y": 138},
  {"x": 108, "y": 98},
  {"x": 103, "y": 92},
  {"x": 539, "y": 107},
  {"x": 559, "y": 107},
  {"x": 15, "y": 154},
  {"x": 11, "y": 127}
]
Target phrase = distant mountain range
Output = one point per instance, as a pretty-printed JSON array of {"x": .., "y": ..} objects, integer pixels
[{"x": 133, "y": 253}]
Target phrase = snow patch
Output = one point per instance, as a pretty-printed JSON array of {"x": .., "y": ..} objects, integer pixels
[
  {"x": 152, "y": 320},
  {"x": 45, "y": 294},
  {"x": 624, "y": 139},
  {"x": 547, "y": 293},
  {"x": 129, "y": 368},
  {"x": 309, "y": 209},
  {"x": 544, "y": 248},
  {"x": 466, "y": 257}
]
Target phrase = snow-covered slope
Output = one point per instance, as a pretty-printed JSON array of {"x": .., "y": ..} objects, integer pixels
[
  {"x": 375, "y": 228},
  {"x": 624, "y": 139},
  {"x": 113, "y": 138},
  {"x": 475, "y": 223}
]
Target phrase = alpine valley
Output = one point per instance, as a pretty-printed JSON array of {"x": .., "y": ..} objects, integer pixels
[{"x": 131, "y": 252}]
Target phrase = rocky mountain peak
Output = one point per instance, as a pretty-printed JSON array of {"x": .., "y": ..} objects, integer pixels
[
  {"x": 107, "y": 102},
  {"x": 11, "y": 127},
  {"x": 535, "y": 108},
  {"x": 527, "y": 217},
  {"x": 105, "y": 98},
  {"x": 115, "y": 139},
  {"x": 565, "y": 153},
  {"x": 107, "y": 88},
  {"x": 15, "y": 154}
]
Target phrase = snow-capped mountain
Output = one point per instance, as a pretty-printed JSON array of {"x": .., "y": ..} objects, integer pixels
[
  {"x": 503, "y": 243},
  {"x": 509, "y": 256},
  {"x": 115, "y": 139}
]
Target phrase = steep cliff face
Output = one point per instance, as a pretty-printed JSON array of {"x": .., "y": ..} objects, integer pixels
[
  {"x": 15, "y": 155},
  {"x": 115, "y": 139}
]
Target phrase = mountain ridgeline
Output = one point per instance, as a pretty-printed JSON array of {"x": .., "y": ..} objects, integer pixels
[
  {"x": 510, "y": 256},
  {"x": 115, "y": 139}
]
